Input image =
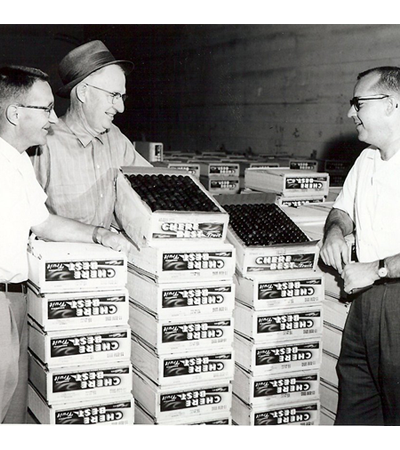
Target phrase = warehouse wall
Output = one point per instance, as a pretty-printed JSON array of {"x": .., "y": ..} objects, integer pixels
[
  {"x": 271, "y": 88},
  {"x": 268, "y": 88}
]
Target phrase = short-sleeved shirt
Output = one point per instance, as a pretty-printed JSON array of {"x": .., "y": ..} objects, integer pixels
[
  {"x": 78, "y": 171},
  {"x": 22, "y": 205},
  {"x": 371, "y": 197}
]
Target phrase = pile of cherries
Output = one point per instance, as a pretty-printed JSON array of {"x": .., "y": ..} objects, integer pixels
[
  {"x": 167, "y": 192},
  {"x": 263, "y": 224}
]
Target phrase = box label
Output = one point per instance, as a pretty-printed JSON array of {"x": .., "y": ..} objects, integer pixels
[
  {"x": 195, "y": 331},
  {"x": 223, "y": 169},
  {"x": 170, "y": 230},
  {"x": 307, "y": 321},
  {"x": 288, "y": 415},
  {"x": 84, "y": 307},
  {"x": 296, "y": 203},
  {"x": 195, "y": 365},
  {"x": 303, "y": 165},
  {"x": 94, "y": 414},
  {"x": 288, "y": 289},
  {"x": 224, "y": 184},
  {"x": 178, "y": 298},
  {"x": 314, "y": 183},
  {"x": 193, "y": 399},
  {"x": 78, "y": 270},
  {"x": 283, "y": 262},
  {"x": 288, "y": 385},
  {"x": 286, "y": 354},
  {"x": 195, "y": 261},
  {"x": 81, "y": 345},
  {"x": 86, "y": 380}
]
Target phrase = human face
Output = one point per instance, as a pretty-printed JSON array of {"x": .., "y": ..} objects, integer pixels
[
  {"x": 98, "y": 108},
  {"x": 34, "y": 123},
  {"x": 370, "y": 118}
]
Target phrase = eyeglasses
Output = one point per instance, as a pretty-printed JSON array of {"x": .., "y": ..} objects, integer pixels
[
  {"x": 355, "y": 101},
  {"x": 47, "y": 109},
  {"x": 115, "y": 96}
]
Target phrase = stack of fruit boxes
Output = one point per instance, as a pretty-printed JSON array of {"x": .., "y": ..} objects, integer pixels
[
  {"x": 180, "y": 284},
  {"x": 278, "y": 317},
  {"x": 79, "y": 337}
]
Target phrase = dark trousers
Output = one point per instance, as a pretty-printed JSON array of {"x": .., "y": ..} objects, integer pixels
[{"x": 369, "y": 362}]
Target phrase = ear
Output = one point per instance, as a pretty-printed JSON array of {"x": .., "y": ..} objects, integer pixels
[
  {"x": 392, "y": 105},
  {"x": 81, "y": 92},
  {"x": 12, "y": 114}
]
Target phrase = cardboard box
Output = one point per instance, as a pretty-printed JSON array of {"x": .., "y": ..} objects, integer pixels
[
  {"x": 278, "y": 325},
  {"x": 328, "y": 369},
  {"x": 291, "y": 356},
  {"x": 71, "y": 267},
  {"x": 335, "y": 312},
  {"x": 67, "y": 311},
  {"x": 167, "y": 336},
  {"x": 276, "y": 257},
  {"x": 191, "y": 168},
  {"x": 152, "y": 151},
  {"x": 332, "y": 339},
  {"x": 280, "y": 289},
  {"x": 296, "y": 202},
  {"x": 189, "y": 401},
  {"x": 118, "y": 410},
  {"x": 81, "y": 382},
  {"x": 327, "y": 417},
  {"x": 221, "y": 185},
  {"x": 273, "y": 258},
  {"x": 146, "y": 227},
  {"x": 329, "y": 397},
  {"x": 195, "y": 261},
  {"x": 183, "y": 367},
  {"x": 62, "y": 348},
  {"x": 182, "y": 299},
  {"x": 276, "y": 389},
  {"x": 288, "y": 182},
  {"x": 219, "y": 169},
  {"x": 303, "y": 413},
  {"x": 303, "y": 164},
  {"x": 142, "y": 417}
]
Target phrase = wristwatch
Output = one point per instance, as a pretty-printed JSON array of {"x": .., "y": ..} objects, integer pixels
[{"x": 382, "y": 271}]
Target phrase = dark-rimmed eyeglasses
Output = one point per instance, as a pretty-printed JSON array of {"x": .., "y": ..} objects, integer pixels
[
  {"x": 355, "y": 101},
  {"x": 115, "y": 96},
  {"x": 46, "y": 109}
]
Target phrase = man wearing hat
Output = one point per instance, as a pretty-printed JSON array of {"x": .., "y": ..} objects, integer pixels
[{"x": 79, "y": 166}]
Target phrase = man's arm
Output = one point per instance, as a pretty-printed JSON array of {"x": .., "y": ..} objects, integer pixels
[
  {"x": 56, "y": 228},
  {"x": 334, "y": 251}
]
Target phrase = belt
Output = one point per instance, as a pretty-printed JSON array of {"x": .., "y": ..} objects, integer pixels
[{"x": 13, "y": 287}]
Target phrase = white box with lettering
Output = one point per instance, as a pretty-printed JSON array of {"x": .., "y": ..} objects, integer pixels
[
  {"x": 62, "y": 348},
  {"x": 70, "y": 267}
]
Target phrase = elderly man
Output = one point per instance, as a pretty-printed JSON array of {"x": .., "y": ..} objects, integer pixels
[
  {"x": 79, "y": 165},
  {"x": 26, "y": 114},
  {"x": 369, "y": 362}
]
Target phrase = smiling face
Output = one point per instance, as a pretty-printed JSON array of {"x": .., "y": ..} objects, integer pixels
[
  {"x": 370, "y": 120},
  {"x": 98, "y": 108},
  {"x": 34, "y": 123}
]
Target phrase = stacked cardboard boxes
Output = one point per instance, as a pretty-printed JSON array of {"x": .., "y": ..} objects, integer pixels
[
  {"x": 180, "y": 284},
  {"x": 220, "y": 177},
  {"x": 278, "y": 318},
  {"x": 79, "y": 337}
]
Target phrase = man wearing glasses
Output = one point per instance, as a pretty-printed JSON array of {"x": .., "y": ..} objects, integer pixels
[
  {"x": 79, "y": 165},
  {"x": 26, "y": 117},
  {"x": 368, "y": 205}
]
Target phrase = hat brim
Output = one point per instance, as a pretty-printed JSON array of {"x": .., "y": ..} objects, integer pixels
[{"x": 64, "y": 91}]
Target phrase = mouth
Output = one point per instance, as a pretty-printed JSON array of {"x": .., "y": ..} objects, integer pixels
[{"x": 111, "y": 116}]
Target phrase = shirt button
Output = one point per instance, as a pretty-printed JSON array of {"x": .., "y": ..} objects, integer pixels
[
  {"x": 98, "y": 166},
  {"x": 101, "y": 195}
]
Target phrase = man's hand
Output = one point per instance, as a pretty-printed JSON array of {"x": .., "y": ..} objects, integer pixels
[
  {"x": 334, "y": 251},
  {"x": 115, "y": 241},
  {"x": 359, "y": 275}
]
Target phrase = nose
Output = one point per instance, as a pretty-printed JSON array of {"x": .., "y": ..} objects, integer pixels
[
  {"x": 352, "y": 112},
  {"x": 53, "y": 117},
  {"x": 119, "y": 105}
]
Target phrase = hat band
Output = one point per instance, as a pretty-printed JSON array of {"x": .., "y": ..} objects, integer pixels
[{"x": 102, "y": 58}]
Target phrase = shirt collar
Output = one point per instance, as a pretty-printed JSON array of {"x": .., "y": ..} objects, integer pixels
[
  {"x": 76, "y": 127},
  {"x": 10, "y": 153}
]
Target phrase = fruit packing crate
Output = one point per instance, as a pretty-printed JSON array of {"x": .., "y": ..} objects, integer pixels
[
  {"x": 165, "y": 226},
  {"x": 288, "y": 182},
  {"x": 272, "y": 258}
]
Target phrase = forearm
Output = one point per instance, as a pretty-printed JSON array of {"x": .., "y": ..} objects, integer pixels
[
  {"x": 392, "y": 264},
  {"x": 338, "y": 221},
  {"x": 62, "y": 229}
]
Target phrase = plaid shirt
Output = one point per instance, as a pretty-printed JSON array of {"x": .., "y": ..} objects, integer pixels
[{"x": 78, "y": 171}]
